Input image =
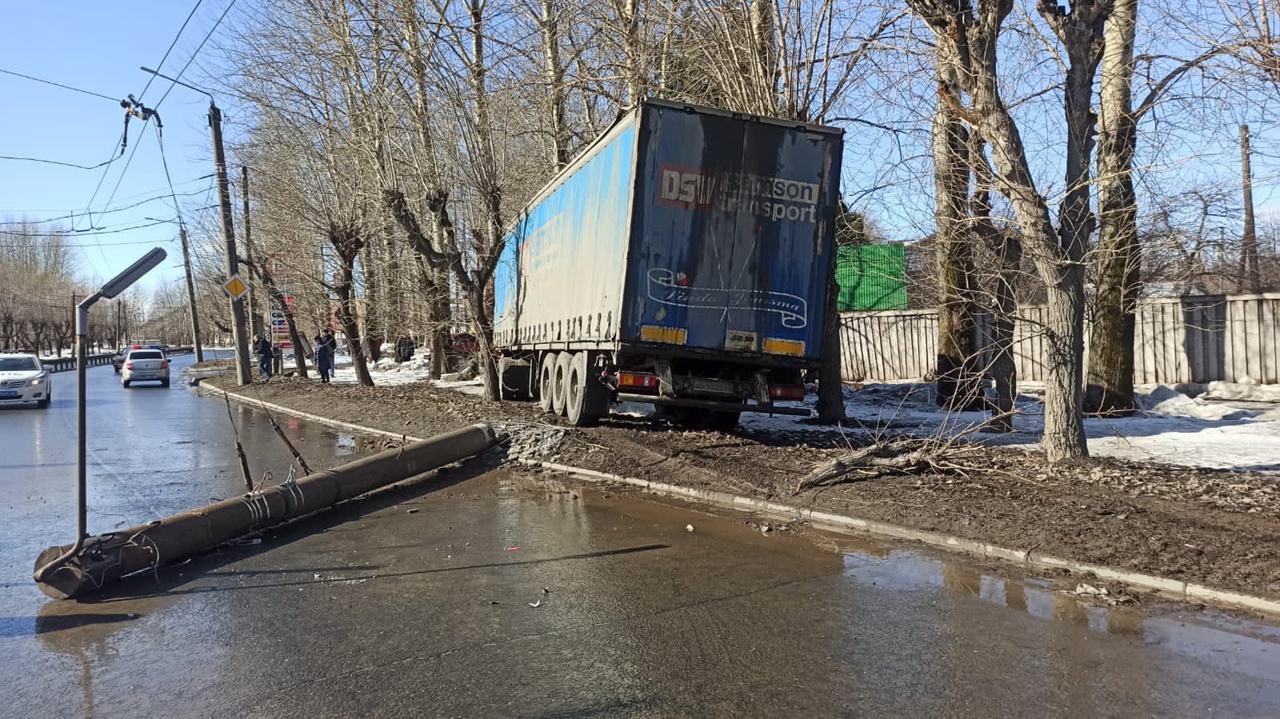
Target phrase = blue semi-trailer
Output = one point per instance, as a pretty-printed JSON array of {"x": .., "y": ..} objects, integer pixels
[{"x": 681, "y": 260}]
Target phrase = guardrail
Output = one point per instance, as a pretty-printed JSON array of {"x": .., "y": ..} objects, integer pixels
[{"x": 66, "y": 364}]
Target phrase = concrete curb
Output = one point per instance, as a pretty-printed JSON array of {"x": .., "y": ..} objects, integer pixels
[
  {"x": 1027, "y": 557},
  {"x": 259, "y": 404}
]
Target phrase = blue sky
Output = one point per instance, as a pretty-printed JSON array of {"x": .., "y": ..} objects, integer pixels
[{"x": 99, "y": 47}]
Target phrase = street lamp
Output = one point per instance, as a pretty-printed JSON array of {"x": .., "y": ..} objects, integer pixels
[{"x": 109, "y": 291}]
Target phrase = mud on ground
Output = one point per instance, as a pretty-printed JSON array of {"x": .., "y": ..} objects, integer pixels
[{"x": 1213, "y": 527}]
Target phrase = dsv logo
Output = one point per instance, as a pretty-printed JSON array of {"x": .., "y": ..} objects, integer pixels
[{"x": 693, "y": 189}]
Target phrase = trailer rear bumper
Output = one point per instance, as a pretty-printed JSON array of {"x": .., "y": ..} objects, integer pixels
[{"x": 713, "y": 405}]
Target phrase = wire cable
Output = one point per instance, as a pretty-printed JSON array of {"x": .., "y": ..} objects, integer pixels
[
  {"x": 58, "y": 84},
  {"x": 141, "y": 95},
  {"x": 196, "y": 53},
  {"x": 59, "y": 163},
  {"x": 172, "y": 195},
  {"x": 171, "y": 46},
  {"x": 72, "y": 216}
]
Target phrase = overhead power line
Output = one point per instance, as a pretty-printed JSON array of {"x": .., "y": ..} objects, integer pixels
[
  {"x": 73, "y": 216},
  {"x": 194, "y": 54},
  {"x": 89, "y": 233},
  {"x": 141, "y": 96},
  {"x": 59, "y": 163},
  {"x": 58, "y": 84}
]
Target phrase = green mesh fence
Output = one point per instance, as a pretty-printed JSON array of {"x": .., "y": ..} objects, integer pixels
[{"x": 872, "y": 277}]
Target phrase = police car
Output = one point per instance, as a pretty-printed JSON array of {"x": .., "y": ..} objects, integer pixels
[{"x": 24, "y": 379}]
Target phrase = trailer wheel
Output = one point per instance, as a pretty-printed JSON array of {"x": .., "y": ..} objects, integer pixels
[
  {"x": 560, "y": 381},
  {"x": 586, "y": 400},
  {"x": 547, "y": 382}
]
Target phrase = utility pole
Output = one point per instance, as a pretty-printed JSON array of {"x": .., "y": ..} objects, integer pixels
[
  {"x": 1249, "y": 242},
  {"x": 191, "y": 295},
  {"x": 119, "y": 336},
  {"x": 243, "y": 377}
]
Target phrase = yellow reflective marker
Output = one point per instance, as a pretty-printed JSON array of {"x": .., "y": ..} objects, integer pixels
[
  {"x": 776, "y": 346},
  {"x": 667, "y": 335}
]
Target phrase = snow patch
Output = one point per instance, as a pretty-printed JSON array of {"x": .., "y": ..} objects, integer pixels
[
  {"x": 1244, "y": 391},
  {"x": 1171, "y": 427}
]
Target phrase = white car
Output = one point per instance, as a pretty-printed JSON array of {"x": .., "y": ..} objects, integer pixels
[
  {"x": 145, "y": 365},
  {"x": 24, "y": 379}
]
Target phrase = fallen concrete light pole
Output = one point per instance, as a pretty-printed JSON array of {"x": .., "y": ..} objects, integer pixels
[{"x": 108, "y": 557}]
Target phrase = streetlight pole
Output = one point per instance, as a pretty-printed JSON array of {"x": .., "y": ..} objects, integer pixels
[{"x": 52, "y": 559}]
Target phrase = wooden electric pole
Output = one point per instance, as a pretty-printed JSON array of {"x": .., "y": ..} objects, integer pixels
[
  {"x": 243, "y": 377},
  {"x": 191, "y": 295},
  {"x": 1249, "y": 241}
]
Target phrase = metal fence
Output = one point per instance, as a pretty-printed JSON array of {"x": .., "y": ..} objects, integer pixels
[
  {"x": 66, "y": 364},
  {"x": 1177, "y": 340}
]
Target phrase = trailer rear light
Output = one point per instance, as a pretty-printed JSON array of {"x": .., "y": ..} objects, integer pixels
[
  {"x": 775, "y": 346},
  {"x": 786, "y": 391},
  {"x": 636, "y": 380}
]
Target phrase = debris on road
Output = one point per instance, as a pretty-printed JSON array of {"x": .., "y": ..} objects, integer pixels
[{"x": 1102, "y": 594}]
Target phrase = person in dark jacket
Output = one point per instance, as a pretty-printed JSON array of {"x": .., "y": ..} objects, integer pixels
[
  {"x": 326, "y": 345},
  {"x": 404, "y": 349},
  {"x": 262, "y": 348}
]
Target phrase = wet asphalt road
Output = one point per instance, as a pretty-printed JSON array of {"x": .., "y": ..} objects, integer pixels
[{"x": 419, "y": 602}]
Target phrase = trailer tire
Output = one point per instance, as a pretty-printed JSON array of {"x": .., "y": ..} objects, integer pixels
[
  {"x": 560, "y": 382},
  {"x": 547, "y": 382},
  {"x": 586, "y": 399}
]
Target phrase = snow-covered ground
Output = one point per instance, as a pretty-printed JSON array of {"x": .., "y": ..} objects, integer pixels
[
  {"x": 387, "y": 372},
  {"x": 1239, "y": 433}
]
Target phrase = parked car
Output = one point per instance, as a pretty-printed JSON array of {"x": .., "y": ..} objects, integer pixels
[
  {"x": 145, "y": 365},
  {"x": 24, "y": 379}
]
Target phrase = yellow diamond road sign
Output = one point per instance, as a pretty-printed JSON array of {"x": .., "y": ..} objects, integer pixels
[{"x": 235, "y": 287}]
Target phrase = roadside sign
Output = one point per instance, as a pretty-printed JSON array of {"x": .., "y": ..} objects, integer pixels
[{"x": 235, "y": 287}]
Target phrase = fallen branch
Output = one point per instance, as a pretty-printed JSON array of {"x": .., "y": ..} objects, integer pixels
[{"x": 899, "y": 456}]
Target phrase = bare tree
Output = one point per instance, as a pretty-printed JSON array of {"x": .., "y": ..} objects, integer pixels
[{"x": 1058, "y": 252}]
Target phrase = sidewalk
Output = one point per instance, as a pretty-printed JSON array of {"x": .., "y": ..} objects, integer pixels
[{"x": 1217, "y": 528}]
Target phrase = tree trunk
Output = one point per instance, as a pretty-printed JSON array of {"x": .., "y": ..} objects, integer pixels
[
  {"x": 1119, "y": 259},
  {"x": 434, "y": 285},
  {"x": 959, "y": 377},
  {"x": 1006, "y": 246},
  {"x": 556, "y": 94},
  {"x": 1064, "y": 436},
  {"x": 488, "y": 368},
  {"x": 830, "y": 384},
  {"x": 351, "y": 327},
  {"x": 1058, "y": 255}
]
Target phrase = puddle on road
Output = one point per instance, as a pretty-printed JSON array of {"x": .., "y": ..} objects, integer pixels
[{"x": 1248, "y": 646}]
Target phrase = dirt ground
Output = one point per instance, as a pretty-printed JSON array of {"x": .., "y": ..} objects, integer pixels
[{"x": 1213, "y": 527}]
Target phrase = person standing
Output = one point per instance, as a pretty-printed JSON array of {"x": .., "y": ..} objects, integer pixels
[
  {"x": 326, "y": 345},
  {"x": 262, "y": 348},
  {"x": 404, "y": 349}
]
